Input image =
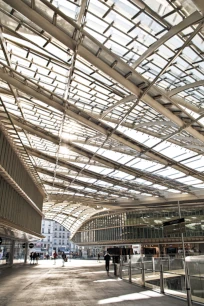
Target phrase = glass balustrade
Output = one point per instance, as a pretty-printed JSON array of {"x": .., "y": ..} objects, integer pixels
[
  {"x": 169, "y": 274},
  {"x": 195, "y": 267}
]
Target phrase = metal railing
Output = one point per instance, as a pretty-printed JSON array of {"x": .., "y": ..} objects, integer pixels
[{"x": 170, "y": 275}]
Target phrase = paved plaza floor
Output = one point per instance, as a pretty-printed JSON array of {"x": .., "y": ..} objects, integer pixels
[{"x": 78, "y": 283}]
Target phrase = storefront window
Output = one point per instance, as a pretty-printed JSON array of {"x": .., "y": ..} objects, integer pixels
[{"x": 5, "y": 251}]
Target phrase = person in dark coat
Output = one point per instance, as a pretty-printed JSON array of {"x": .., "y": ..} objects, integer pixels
[
  {"x": 7, "y": 257},
  {"x": 31, "y": 257},
  {"x": 55, "y": 257},
  {"x": 34, "y": 257},
  {"x": 107, "y": 262},
  {"x": 64, "y": 258},
  {"x": 37, "y": 257}
]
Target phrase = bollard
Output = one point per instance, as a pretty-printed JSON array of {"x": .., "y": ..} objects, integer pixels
[
  {"x": 169, "y": 262},
  {"x": 161, "y": 279},
  {"x": 121, "y": 268},
  {"x": 143, "y": 274},
  {"x": 130, "y": 271},
  {"x": 115, "y": 269},
  {"x": 188, "y": 287},
  {"x": 183, "y": 263},
  {"x": 153, "y": 265}
]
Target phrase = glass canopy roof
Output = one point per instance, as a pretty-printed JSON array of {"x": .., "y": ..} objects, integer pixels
[{"x": 106, "y": 98}]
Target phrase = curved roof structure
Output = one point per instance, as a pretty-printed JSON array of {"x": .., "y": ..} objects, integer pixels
[{"x": 106, "y": 97}]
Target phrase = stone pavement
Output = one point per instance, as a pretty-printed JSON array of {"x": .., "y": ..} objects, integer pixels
[{"x": 79, "y": 283}]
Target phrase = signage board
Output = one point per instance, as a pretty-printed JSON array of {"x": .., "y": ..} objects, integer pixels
[
  {"x": 31, "y": 245},
  {"x": 173, "y": 227},
  {"x": 172, "y": 222},
  {"x": 23, "y": 245}
]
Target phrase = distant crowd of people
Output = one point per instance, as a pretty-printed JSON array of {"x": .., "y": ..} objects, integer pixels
[{"x": 34, "y": 256}]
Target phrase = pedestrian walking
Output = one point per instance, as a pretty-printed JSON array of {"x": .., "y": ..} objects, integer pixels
[
  {"x": 98, "y": 257},
  {"x": 55, "y": 257},
  {"x": 37, "y": 257},
  {"x": 64, "y": 258},
  {"x": 31, "y": 258},
  {"x": 107, "y": 262},
  {"x": 34, "y": 258}
]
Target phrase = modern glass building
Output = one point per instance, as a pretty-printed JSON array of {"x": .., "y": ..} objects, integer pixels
[{"x": 137, "y": 227}]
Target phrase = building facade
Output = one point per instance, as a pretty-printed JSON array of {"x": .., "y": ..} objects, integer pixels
[
  {"x": 144, "y": 228},
  {"x": 56, "y": 238}
]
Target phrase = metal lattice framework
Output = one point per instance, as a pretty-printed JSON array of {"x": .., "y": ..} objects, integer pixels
[{"x": 106, "y": 98}]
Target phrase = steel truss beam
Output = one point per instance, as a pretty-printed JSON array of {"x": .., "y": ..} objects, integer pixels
[
  {"x": 124, "y": 184},
  {"x": 86, "y": 185},
  {"x": 187, "y": 22},
  {"x": 96, "y": 195},
  {"x": 35, "y": 130},
  {"x": 200, "y": 5},
  {"x": 141, "y": 127},
  {"x": 139, "y": 3},
  {"x": 41, "y": 94},
  {"x": 69, "y": 208},
  {"x": 177, "y": 101},
  {"x": 67, "y": 200},
  {"x": 176, "y": 90},
  {"x": 145, "y": 203},
  {"x": 138, "y": 127},
  {"x": 119, "y": 148},
  {"x": 57, "y": 33},
  {"x": 173, "y": 200},
  {"x": 79, "y": 115},
  {"x": 82, "y": 12},
  {"x": 122, "y": 101},
  {"x": 199, "y": 27},
  {"x": 90, "y": 142},
  {"x": 144, "y": 7}
]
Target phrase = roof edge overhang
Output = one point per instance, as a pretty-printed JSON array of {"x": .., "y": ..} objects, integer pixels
[{"x": 14, "y": 231}]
